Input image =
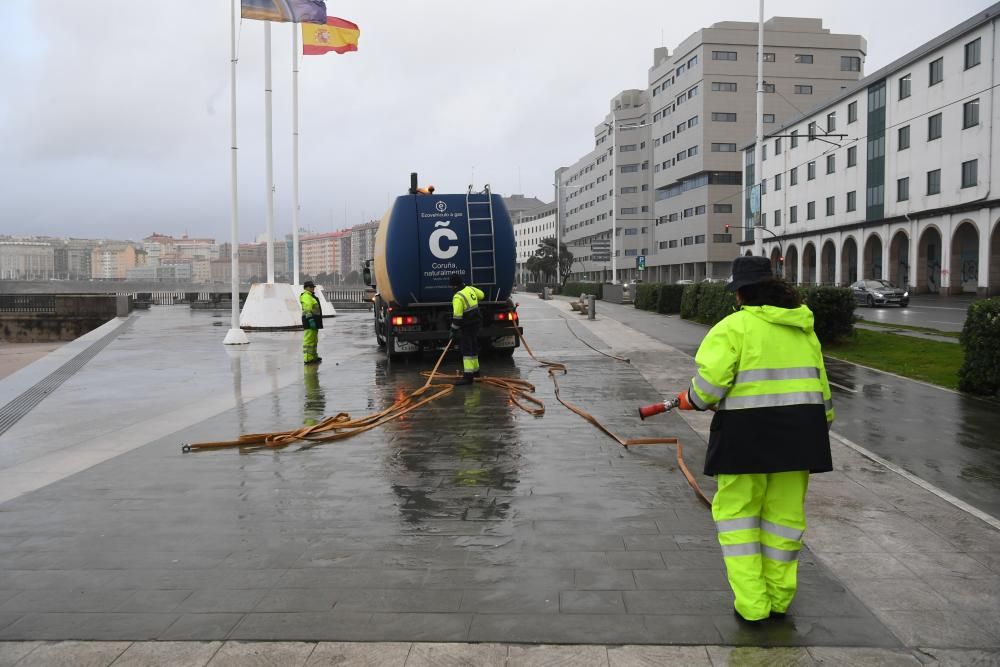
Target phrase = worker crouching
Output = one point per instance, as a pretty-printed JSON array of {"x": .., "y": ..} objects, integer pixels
[
  {"x": 465, "y": 324},
  {"x": 312, "y": 322},
  {"x": 762, "y": 370}
]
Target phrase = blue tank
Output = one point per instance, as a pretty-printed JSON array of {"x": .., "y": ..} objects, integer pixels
[{"x": 425, "y": 238}]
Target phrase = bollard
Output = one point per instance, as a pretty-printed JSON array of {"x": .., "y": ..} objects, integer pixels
[{"x": 591, "y": 303}]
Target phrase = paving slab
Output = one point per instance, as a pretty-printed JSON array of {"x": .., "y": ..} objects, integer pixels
[{"x": 175, "y": 654}]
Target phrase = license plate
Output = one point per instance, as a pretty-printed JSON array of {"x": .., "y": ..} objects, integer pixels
[
  {"x": 404, "y": 346},
  {"x": 505, "y": 341}
]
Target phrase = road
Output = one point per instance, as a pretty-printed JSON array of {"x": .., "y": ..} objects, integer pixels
[
  {"x": 946, "y": 438},
  {"x": 945, "y": 313}
]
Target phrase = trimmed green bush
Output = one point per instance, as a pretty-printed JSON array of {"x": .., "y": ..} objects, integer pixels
[
  {"x": 980, "y": 373},
  {"x": 714, "y": 303},
  {"x": 576, "y": 289},
  {"x": 689, "y": 301},
  {"x": 669, "y": 300},
  {"x": 833, "y": 310},
  {"x": 647, "y": 295}
]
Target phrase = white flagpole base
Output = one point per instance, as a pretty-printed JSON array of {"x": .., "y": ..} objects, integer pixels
[
  {"x": 325, "y": 306},
  {"x": 236, "y": 337},
  {"x": 273, "y": 306}
]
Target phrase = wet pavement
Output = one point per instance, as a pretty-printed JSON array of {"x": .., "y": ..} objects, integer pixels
[
  {"x": 465, "y": 521},
  {"x": 944, "y": 437},
  {"x": 934, "y": 311}
]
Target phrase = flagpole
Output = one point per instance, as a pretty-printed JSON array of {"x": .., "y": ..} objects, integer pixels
[
  {"x": 235, "y": 335},
  {"x": 295, "y": 153},
  {"x": 268, "y": 153}
]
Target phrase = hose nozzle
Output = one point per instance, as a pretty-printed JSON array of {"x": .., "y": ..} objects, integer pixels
[{"x": 656, "y": 408}]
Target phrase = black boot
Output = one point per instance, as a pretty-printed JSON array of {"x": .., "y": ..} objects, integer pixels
[{"x": 466, "y": 380}]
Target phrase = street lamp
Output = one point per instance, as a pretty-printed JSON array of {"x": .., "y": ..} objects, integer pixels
[
  {"x": 612, "y": 127},
  {"x": 559, "y": 196}
]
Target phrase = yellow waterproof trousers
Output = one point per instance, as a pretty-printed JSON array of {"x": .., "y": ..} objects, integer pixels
[
  {"x": 310, "y": 338},
  {"x": 760, "y": 519}
]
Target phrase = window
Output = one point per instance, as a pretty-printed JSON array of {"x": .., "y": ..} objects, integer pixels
[
  {"x": 692, "y": 121},
  {"x": 768, "y": 87},
  {"x": 629, "y": 189},
  {"x": 681, "y": 156},
  {"x": 699, "y": 210},
  {"x": 812, "y": 131},
  {"x": 630, "y": 231},
  {"x": 852, "y": 201},
  {"x": 777, "y": 182},
  {"x": 777, "y": 146},
  {"x": 903, "y": 189},
  {"x": 904, "y": 138},
  {"x": 811, "y": 171},
  {"x": 801, "y": 89},
  {"x": 970, "y": 114},
  {"x": 629, "y": 168},
  {"x": 763, "y": 219},
  {"x": 904, "y": 86},
  {"x": 970, "y": 172},
  {"x": 673, "y": 244},
  {"x": 936, "y": 74},
  {"x": 724, "y": 86},
  {"x": 769, "y": 118},
  {"x": 688, "y": 240},
  {"x": 692, "y": 62},
  {"x": 934, "y": 127},
  {"x": 934, "y": 182},
  {"x": 688, "y": 212},
  {"x": 723, "y": 208},
  {"x": 723, "y": 117},
  {"x": 852, "y": 112},
  {"x": 723, "y": 148},
  {"x": 829, "y": 205},
  {"x": 777, "y": 218},
  {"x": 795, "y": 138},
  {"x": 769, "y": 57},
  {"x": 793, "y": 176},
  {"x": 852, "y": 156},
  {"x": 803, "y": 58},
  {"x": 831, "y": 122},
  {"x": 831, "y": 164},
  {"x": 876, "y": 147},
  {"x": 850, "y": 64},
  {"x": 625, "y": 148},
  {"x": 972, "y": 57},
  {"x": 692, "y": 151},
  {"x": 723, "y": 55},
  {"x": 793, "y": 214},
  {"x": 722, "y": 238},
  {"x": 699, "y": 239},
  {"x": 763, "y": 152},
  {"x": 811, "y": 211}
]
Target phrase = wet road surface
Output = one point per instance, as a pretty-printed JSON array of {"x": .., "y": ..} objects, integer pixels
[
  {"x": 943, "y": 437},
  {"x": 944, "y": 313},
  {"x": 465, "y": 521}
]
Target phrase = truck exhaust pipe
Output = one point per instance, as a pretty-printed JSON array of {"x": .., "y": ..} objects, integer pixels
[{"x": 413, "y": 182}]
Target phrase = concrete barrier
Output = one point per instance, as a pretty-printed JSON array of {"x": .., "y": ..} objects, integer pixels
[{"x": 42, "y": 318}]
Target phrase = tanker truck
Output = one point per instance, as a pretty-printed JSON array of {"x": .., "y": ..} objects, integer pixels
[{"x": 422, "y": 240}]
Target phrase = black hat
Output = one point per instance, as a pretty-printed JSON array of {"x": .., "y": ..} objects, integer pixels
[
  {"x": 749, "y": 271},
  {"x": 309, "y": 283},
  {"x": 455, "y": 280}
]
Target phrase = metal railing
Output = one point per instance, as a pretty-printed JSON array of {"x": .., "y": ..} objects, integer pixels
[
  {"x": 347, "y": 295},
  {"x": 27, "y": 303}
]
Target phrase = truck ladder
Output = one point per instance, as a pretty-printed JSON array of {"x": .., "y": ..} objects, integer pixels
[{"x": 482, "y": 250}]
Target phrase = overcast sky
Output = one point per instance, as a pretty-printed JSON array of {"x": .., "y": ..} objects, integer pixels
[{"x": 114, "y": 114}]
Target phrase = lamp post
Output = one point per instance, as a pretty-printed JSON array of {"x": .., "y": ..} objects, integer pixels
[{"x": 613, "y": 128}]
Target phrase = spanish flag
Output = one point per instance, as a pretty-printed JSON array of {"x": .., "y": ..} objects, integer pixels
[{"x": 337, "y": 35}]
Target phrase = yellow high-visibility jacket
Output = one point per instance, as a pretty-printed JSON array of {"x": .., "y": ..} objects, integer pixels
[
  {"x": 762, "y": 367},
  {"x": 465, "y": 306}
]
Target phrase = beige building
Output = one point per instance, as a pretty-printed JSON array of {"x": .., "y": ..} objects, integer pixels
[
  {"x": 111, "y": 260},
  {"x": 321, "y": 253},
  {"x": 362, "y": 244},
  {"x": 669, "y": 178}
]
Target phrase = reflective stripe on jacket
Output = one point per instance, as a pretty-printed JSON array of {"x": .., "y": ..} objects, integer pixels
[
  {"x": 466, "y": 300},
  {"x": 763, "y": 368}
]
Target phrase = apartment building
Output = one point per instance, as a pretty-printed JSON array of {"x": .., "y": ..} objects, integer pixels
[
  {"x": 321, "y": 253},
  {"x": 531, "y": 227},
  {"x": 111, "y": 260},
  {"x": 26, "y": 260},
  {"x": 902, "y": 189},
  {"x": 669, "y": 177},
  {"x": 362, "y": 245}
]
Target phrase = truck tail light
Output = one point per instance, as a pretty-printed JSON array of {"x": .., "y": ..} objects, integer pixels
[
  {"x": 400, "y": 320},
  {"x": 506, "y": 317}
]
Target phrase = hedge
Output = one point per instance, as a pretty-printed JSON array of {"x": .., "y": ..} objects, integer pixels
[
  {"x": 647, "y": 295},
  {"x": 669, "y": 300},
  {"x": 576, "y": 289},
  {"x": 980, "y": 373},
  {"x": 832, "y": 307},
  {"x": 833, "y": 310}
]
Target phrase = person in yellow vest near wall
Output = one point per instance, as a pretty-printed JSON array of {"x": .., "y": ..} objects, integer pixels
[
  {"x": 762, "y": 370},
  {"x": 465, "y": 324},
  {"x": 312, "y": 322}
]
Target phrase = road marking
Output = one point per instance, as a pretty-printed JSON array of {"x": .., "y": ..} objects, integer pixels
[{"x": 927, "y": 486}]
